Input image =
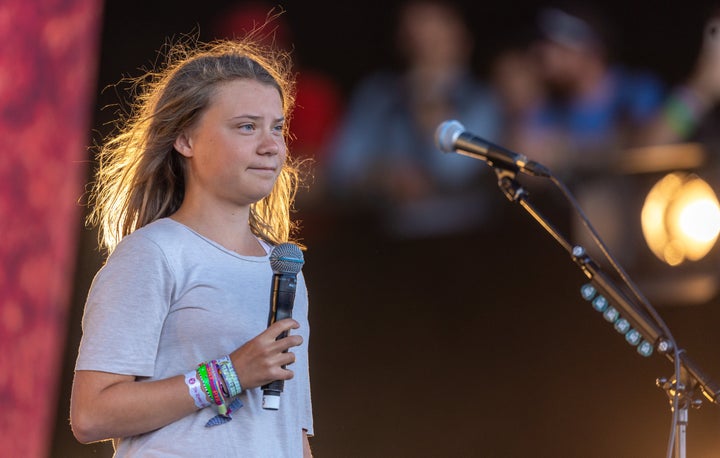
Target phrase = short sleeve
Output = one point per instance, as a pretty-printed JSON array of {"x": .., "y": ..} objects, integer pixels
[{"x": 126, "y": 307}]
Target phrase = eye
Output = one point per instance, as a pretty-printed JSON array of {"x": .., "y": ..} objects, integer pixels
[
  {"x": 246, "y": 127},
  {"x": 279, "y": 128}
]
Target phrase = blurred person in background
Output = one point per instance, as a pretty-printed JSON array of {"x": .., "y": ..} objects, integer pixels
[
  {"x": 515, "y": 77},
  {"x": 690, "y": 112},
  {"x": 596, "y": 108},
  {"x": 383, "y": 162}
]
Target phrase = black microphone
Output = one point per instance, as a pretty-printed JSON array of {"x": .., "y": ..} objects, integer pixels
[
  {"x": 286, "y": 261},
  {"x": 451, "y": 137}
]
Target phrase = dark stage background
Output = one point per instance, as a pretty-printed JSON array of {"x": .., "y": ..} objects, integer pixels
[{"x": 476, "y": 345}]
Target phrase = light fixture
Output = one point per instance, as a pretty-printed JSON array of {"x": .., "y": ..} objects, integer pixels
[{"x": 681, "y": 218}]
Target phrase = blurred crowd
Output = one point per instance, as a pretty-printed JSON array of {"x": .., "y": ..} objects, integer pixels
[{"x": 555, "y": 94}]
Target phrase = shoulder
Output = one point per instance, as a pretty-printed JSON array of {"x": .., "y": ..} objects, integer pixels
[
  {"x": 159, "y": 233},
  {"x": 155, "y": 240},
  {"x": 161, "y": 229},
  {"x": 636, "y": 81}
]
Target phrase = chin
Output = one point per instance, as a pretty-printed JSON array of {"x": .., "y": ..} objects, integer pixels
[{"x": 254, "y": 198}]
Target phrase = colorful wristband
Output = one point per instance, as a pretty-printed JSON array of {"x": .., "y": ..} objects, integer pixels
[
  {"x": 682, "y": 111},
  {"x": 196, "y": 390},
  {"x": 229, "y": 375},
  {"x": 210, "y": 380},
  {"x": 214, "y": 378},
  {"x": 203, "y": 376}
]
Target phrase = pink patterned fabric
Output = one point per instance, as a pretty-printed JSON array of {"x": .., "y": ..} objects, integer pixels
[{"x": 48, "y": 64}]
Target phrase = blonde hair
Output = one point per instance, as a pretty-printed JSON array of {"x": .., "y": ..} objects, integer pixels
[{"x": 141, "y": 178}]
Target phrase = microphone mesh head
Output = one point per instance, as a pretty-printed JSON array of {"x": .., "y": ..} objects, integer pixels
[
  {"x": 447, "y": 134},
  {"x": 286, "y": 258}
]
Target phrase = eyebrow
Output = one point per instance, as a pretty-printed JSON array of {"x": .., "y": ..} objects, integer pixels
[{"x": 255, "y": 118}]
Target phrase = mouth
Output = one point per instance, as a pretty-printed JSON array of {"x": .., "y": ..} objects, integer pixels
[{"x": 262, "y": 169}]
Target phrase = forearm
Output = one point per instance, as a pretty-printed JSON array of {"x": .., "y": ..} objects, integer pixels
[
  {"x": 105, "y": 406},
  {"x": 307, "y": 452}
]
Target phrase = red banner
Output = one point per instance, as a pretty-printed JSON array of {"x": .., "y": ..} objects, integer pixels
[{"x": 48, "y": 62}]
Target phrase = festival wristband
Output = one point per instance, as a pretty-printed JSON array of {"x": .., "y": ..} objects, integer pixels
[
  {"x": 203, "y": 376},
  {"x": 195, "y": 390},
  {"x": 217, "y": 390},
  {"x": 228, "y": 373}
]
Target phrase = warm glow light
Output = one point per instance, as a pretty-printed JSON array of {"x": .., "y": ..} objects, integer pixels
[{"x": 681, "y": 218}]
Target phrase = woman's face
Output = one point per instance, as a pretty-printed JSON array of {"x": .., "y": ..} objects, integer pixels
[{"x": 236, "y": 149}]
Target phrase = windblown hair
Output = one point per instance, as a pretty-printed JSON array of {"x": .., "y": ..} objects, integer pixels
[{"x": 140, "y": 176}]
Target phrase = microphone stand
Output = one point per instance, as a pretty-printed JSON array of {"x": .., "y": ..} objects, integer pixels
[{"x": 693, "y": 384}]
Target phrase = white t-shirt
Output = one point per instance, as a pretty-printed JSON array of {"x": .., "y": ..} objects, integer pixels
[{"x": 167, "y": 299}]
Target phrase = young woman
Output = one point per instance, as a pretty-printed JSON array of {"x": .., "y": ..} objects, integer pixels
[{"x": 191, "y": 195}]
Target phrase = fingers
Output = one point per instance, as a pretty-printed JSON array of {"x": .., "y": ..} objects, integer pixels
[
  {"x": 282, "y": 326},
  {"x": 284, "y": 342},
  {"x": 280, "y": 371},
  {"x": 264, "y": 358},
  {"x": 279, "y": 331},
  {"x": 286, "y": 358}
]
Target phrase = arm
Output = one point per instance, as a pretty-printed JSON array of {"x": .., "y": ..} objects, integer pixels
[
  {"x": 307, "y": 453},
  {"x": 105, "y": 405},
  {"x": 690, "y": 102}
]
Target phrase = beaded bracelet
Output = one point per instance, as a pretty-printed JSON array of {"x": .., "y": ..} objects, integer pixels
[
  {"x": 203, "y": 375},
  {"x": 210, "y": 377},
  {"x": 214, "y": 378},
  {"x": 222, "y": 384},
  {"x": 196, "y": 390},
  {"x": 229, "y": 375}
]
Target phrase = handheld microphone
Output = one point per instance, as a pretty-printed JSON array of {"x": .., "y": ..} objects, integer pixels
[
  {"x": 286, "y": 261},
  {"x": 451, "y": 137}
]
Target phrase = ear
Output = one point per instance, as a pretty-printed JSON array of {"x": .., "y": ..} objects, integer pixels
[{"x": 183, "y": 144}]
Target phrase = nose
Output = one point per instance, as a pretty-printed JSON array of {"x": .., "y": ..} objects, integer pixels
[{"x": 271, "y": 143}]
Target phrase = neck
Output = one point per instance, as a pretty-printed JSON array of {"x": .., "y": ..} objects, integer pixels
[{"x": 227, "y": 226}]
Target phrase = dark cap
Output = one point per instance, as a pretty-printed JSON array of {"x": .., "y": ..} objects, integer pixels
[{"x": 567, "y": 29}]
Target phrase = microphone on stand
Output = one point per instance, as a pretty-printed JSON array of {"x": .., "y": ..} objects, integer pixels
[
  {"x": 286, "y": 261},
  {"x": 451, "y": 137}
]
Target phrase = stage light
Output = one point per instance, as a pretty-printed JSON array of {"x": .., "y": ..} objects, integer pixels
[{"x": 680, "y": 218}]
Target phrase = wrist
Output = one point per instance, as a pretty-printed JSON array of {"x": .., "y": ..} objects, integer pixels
[
  {"x": 684, "y": 108},
  {"x": 229, "y": 376},
  {"x": 196, "y": 389}
]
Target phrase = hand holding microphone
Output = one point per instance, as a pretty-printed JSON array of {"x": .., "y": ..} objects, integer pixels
[
  {"x": 286, "y": 261},
  {"x": 263, "y": 359}
]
